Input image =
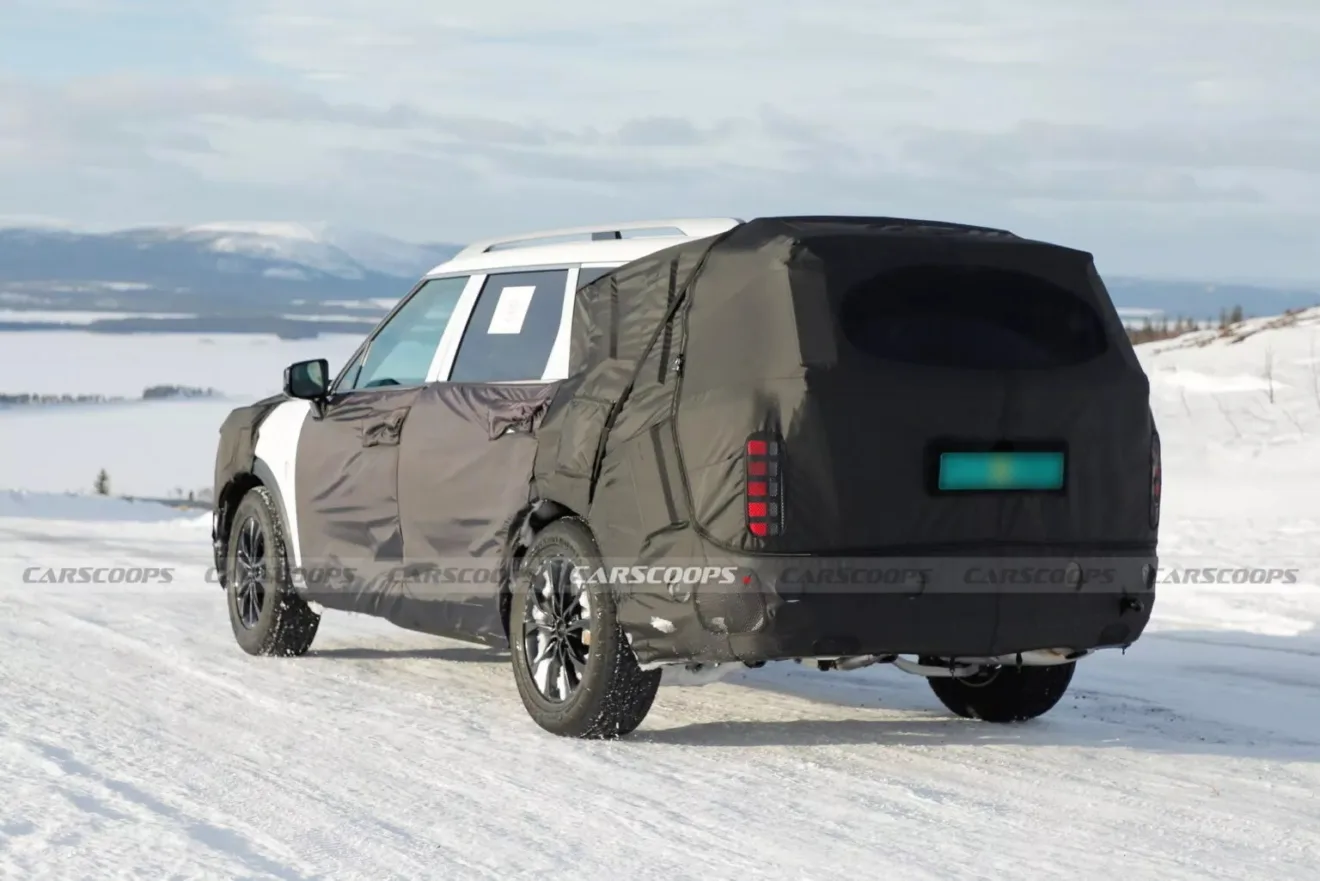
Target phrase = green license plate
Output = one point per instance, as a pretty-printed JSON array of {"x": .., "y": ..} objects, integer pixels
[{"x": 994, "y": 471}]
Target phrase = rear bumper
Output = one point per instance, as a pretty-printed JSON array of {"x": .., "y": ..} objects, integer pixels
[{"x": 779, "y": 609}]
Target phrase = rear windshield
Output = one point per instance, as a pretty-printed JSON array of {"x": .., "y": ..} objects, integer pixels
[{"x": 972, "y": 318}]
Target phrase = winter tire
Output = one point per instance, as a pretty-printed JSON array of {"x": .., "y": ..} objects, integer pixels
[
  {"x": 575, "y": 671},
  {"x": 1004, "y": 694},
  {"x": 267, "y": 616}
]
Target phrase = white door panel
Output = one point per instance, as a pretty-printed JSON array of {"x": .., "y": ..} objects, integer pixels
[{"x": 277, "y": 446}]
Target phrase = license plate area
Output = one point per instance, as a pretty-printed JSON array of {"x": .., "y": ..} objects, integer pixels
[{"x": 968, "y": 467}]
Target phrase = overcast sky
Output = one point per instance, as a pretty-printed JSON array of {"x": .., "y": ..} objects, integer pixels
[{"x": 1169, "y": 137}]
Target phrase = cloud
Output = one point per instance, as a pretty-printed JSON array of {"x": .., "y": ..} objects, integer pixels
[{"x": 1125, "y": 120}]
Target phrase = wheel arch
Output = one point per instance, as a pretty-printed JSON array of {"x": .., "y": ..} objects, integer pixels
[
  {"x": 228, "y": 499},
  {"x": 522, "y": 531}
]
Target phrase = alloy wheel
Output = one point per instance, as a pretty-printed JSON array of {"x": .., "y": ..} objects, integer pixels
[
  {"x": 250, "y": 573},
  {"x": 557, "y": 629}
]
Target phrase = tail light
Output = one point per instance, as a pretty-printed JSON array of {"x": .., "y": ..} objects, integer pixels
[
  {"x": 765, "y": 484},
  {"x": 1156, "y": 479}
]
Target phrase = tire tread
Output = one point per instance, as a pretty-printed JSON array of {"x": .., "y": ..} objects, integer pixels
[{"x": 292, "y": 625}]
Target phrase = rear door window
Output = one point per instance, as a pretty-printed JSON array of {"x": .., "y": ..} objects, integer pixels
[{"x": 513, "y": 327}]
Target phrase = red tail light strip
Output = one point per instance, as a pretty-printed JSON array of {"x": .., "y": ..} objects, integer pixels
[{"x": 764, "y": 485}]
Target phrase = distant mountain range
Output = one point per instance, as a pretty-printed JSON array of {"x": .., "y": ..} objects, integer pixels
[
  {"x": 215, "y": 278},
  {"x": 290, "y": 279}
]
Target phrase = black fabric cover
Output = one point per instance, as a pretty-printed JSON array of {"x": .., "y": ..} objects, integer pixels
[
  {"x": 347, "y": 487},
  {"x": 859, "y": 343},
  {"x": 466, "y": 473},
  {"x": 234, "y": 457},
  {"x": 647, "y": 436},
  {"x": 763, "y": 348},
  {"x": 397, "y": 486}
]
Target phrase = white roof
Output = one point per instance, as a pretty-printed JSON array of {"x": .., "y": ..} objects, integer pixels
[{"x": 595, "y": 244}]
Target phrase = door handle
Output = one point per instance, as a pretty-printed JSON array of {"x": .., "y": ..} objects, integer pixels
[
  {"x": 380, "y": 431},
  {"x": 518, "y": 419}
]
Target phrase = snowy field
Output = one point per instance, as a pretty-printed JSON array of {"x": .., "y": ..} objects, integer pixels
[
  {"x": 149, "y": 448},
  {"x": 78, "y": 363},
  {"x": 137, "y": 741}
]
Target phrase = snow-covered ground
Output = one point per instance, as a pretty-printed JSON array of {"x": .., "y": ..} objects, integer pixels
[
  {"x": 149, "y": 448},
  {"x": 78, "y": 363},
  {"x": 137, "y": 741}
]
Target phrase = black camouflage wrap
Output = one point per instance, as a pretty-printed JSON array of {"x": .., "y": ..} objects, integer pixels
[
  {"x": 680, "y": 356},
  {"x": 393, "y": 486},
  {"x": 235, "y": 462},
  {"x": 676, "y": 359}
]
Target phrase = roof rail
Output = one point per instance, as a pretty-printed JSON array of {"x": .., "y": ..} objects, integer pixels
[{"x": 693, "y": 227}]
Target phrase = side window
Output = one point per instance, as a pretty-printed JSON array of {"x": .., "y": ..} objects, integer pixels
[
  {"x": 400, "y": 354},
  {"x": 588, "y": 274},
  {"x": 513, "y": 327}
]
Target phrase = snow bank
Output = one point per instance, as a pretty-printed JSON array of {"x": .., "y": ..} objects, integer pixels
[{"x": 1239, "y": 418}]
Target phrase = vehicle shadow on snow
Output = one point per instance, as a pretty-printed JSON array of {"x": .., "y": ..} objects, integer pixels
[{"x": 1195, "y": 693}]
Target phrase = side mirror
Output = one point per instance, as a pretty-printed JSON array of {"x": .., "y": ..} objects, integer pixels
[{"x": 308, "y": 380}]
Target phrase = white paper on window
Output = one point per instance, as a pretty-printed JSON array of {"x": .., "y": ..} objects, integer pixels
[{"x": 511, "y": 310}]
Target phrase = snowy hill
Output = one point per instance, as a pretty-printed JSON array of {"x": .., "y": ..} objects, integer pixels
[
  {"x": 222, "y": 269},
  {"x": 137, "y": 740},
  {"x": 320, "y": 247},
  {"x": 1240, "y": 421}
]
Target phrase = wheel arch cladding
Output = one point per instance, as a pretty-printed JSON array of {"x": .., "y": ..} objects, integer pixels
[
  {"x": 521, "y": 534},
  {"x": 236, "y": 471}
]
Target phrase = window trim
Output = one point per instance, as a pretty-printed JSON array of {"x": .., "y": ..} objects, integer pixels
[
  {"x": 359, "y": 352},
  {"x": 556, "y": 366},
  {"x": 447, "y": 350}
]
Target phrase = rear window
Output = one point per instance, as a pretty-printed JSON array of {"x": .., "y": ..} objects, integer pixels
[{"x": 971, "y": 318}]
